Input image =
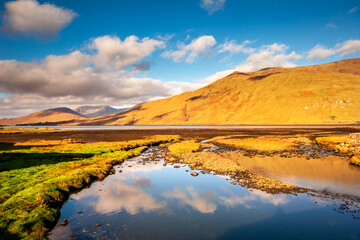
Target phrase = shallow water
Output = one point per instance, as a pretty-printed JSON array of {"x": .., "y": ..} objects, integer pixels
[
  {"x": 150, "y": 201},
  {"x": 330, "y": 173}
]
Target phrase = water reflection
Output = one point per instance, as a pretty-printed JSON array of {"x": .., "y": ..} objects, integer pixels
[
  {"x": 153, "y": 201},
  {"x": 202, "y": 202},
  {"x": 329, "y": 173},
  {"x": 256, "y": 195},
  {"x": 125, "y": 192}
]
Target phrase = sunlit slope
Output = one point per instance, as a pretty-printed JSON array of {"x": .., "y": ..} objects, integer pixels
[
  {"x": 50, "y": 115},
  {"x": 315, "y": 94}
]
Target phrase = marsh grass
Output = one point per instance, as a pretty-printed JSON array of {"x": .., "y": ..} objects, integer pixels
[
  {"x": 330, "y": 141},
  {"x": 184, "y": 147},
  {"x": 262, "y": 144},
  {"x": 29, "y": 130},
  {"x": 35, "y": 179}
]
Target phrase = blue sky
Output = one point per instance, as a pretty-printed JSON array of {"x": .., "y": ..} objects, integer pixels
[{"x": 73, "y": 53}]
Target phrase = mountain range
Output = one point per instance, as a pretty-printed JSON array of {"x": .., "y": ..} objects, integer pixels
[{"x": 319, "y": 94}]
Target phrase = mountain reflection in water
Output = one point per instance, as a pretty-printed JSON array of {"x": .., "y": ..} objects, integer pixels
[
  {"x": 153, "y": 201},
  {"x": 331, "y": 173}
]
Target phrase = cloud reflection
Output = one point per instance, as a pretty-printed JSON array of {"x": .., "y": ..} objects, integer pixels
[
  {"x": 200, "y": 202},
  {"x": 124, "y": 193},
  {"x": 255, "y": 195}
]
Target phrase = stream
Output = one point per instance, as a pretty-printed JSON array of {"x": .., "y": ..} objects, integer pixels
[{"x": 146, "y": 200}]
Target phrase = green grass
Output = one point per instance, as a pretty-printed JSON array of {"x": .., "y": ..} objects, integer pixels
[
  {"x": 36, "y": 179},
  {"x": 184, "y": 147}
]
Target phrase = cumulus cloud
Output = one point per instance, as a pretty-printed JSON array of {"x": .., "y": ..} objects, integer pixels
[
  {"x": 29, "y": 17},
  {"x": 320, "y": 52},
  {"x": 342, "y": 49},
  {"x": 269, "y": 56},
  {"x": 233, "y": 48},
  {"x": 348, "y": 47},
  {"x": 80, "y": 77},
  {"x": 116, "y": 54},
  {"x": 274, "y": 55},
  {"x": 212, "y": 6},
  {"x": 198, "y": 47}
]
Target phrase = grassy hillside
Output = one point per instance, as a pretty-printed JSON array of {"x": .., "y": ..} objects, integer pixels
[
  {"x": 50, "y": 115},
  {"x": 325, "y": 94}
]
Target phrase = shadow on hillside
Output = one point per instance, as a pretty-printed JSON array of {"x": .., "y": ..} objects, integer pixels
[{"x": 13, "y": 160}]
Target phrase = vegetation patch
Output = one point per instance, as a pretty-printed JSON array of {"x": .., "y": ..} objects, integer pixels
[
  {"x": 355, "y": 160},
  {"x": 262, "y": 144},
  {"x": 29, "y": 130},
  {"x": 35, "y": 179},
  {"x": 184, "y": 147},
  {"x": 330, "y": 141}
]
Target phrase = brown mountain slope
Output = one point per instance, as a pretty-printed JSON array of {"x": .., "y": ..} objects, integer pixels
[
  {"x": 50, "y": 115},
  {"x": 326, "y": 94}
]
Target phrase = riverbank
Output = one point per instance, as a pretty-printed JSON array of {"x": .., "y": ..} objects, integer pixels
[{"x": 37, "y": 176}]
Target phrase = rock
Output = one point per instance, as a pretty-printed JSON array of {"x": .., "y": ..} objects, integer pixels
[
  {"x": 112, "y": 171},
  {"x": 233, "y": 183},
  {"x": 203, "y": 172},
  {"x": 164, "y": 164},
  {"x": 353, "y": 139},
  {"x": 194, "y": 174},
  {"x": 79, "y": 212},
  {"x": 74, "y": 235},
  {"x": 120, "y": 171},
  {"x": 64, "y": 222},
  {"x": 177, "y": 166},
  {"x": 355, "y": 160},
  {"x": 98, "y": 225}
]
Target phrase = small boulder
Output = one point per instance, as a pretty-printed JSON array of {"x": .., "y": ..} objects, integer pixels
[{"x": 194, "y": 174}]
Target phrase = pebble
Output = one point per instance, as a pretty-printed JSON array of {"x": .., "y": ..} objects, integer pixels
[
  {"x": 194, "y": 174},
  {"x": 64, "y": 222},
  {"x": 74, "y": 235}
]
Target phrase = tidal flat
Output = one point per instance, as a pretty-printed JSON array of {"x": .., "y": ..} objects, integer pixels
[{"x": 179, "y": 184}]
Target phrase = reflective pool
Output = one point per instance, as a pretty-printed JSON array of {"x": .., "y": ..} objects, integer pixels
[{"x": 147, "y": 200}]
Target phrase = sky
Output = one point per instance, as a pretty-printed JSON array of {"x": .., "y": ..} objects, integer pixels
[{"x": 66, "y": 53}]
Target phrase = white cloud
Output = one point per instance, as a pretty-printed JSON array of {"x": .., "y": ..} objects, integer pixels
[
  {"x": 114, "y": 53},
  {"x": 269, "y": 56},
  {"x": 348, "y": 47},
  {"x": 212, "y": 6},
  {"x": 354, "y": 9},
  {"x": 181, "y": 87},
  {"x": 233, "y": 48},
  {"x": 83, "y": 78},
  {"x": 320, "y": 52},
  {"x": 198, "y": 47},
  {"x": 29, "y": 17},
  {"x": 343, "y": 49},
  {"x": 266, "y": 56}
]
